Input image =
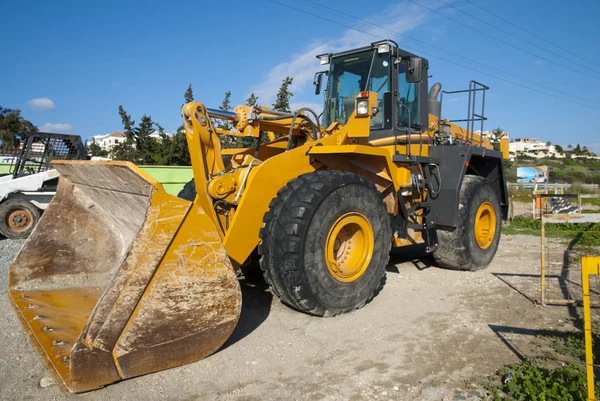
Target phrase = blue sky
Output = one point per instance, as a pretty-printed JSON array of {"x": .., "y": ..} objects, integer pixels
[{"x": 68, "y": 65}]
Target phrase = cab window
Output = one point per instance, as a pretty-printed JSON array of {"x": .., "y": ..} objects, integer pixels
[{"x": 408, "y": 100}]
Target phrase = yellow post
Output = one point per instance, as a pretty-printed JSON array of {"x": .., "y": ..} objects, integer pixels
[
  {"x": 542, "y": 241},
  {"x": 589, "y": 265}
]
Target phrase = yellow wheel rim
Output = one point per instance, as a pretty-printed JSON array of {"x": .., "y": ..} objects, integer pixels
[
  {"x": 485, "y": 225},
  {"x": 349, "y": 247}
]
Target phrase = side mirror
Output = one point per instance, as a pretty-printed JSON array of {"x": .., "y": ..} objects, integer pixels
[
  {"x": 317, "y": 82},
  {"x": 414, "y": 70}
]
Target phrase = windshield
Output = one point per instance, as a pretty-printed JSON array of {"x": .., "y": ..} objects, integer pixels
[{"x": 353, "y": 73}]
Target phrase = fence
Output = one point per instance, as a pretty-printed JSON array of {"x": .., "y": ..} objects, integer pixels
[
  {"x": 556, "y": 187},
  {"x": 535, "y": 205},
  {"x": 564, "y": 240},
  {"x": 542, "y": 204}
]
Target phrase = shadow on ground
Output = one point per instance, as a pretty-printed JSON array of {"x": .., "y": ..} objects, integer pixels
[
  {"x": 256, "y": 306},
  {"x": 527, "y": 343},
  {"x": 417, "y": 255}
]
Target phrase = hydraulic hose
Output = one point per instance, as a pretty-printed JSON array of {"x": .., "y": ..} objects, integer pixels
[{"x": 316, "y": 127}]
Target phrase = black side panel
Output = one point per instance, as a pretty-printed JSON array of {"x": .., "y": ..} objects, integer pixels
[
  {"x": 453, "y": 167},
  {"x": 491, "y": 167},
  {"x": 444, "y": 204}
]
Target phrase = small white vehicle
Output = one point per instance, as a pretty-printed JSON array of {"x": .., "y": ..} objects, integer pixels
[{"x": 29, "y": 187}]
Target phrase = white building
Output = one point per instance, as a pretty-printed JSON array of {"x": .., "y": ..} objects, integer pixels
[
  {"x": 108, "y": 141},
  {"x": 529, "y": 145},
  {"x": 533, "y": 147}
]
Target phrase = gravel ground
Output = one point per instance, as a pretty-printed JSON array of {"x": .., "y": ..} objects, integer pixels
[{"x": 426, "y": 333}]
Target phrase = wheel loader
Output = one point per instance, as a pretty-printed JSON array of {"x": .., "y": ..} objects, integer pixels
[{"x": 121, "y": 279}]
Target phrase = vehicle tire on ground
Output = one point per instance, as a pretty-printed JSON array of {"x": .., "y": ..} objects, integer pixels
[
  {"x": 188, "y": 192},
  {"x": 474, "y": 242},
  {"x": 18, "y": 218},
  {"x": 326, "y": 242}
]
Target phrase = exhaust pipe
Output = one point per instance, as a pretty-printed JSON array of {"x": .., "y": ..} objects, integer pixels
[{"x": 434, "y": 105}]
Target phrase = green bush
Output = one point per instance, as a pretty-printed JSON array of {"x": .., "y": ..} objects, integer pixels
[
  {"x": 582, "y": 235},
  {"x": 528, "y": 381}
]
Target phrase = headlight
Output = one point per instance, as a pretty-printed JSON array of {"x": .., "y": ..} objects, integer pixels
[
  {"x": 324, "y": 58},
  {"x": 362, "y": 107},
  {"x": 383, "y": 48}
]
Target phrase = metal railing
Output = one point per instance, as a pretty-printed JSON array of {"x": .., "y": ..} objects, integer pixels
[
  {"x": 553, "y": 186},
  {"x": 475, "y": 111}
]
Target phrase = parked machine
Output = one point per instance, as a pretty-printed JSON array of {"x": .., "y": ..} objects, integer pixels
[
  {"x": 31, "y": 183},
  {"x": 134, "y": 280}
]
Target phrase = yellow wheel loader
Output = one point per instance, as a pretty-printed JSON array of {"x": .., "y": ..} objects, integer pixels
[{"x": 121, "y": 279}]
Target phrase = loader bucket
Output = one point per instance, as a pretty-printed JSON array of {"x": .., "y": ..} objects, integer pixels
[{"x": 120, "y": 279}]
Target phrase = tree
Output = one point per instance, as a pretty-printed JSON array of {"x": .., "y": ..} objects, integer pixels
[
  {"x": 495, "y": 137},
  {"x": 548, "y": 143},
  {"x": 127, "y": 122},
  {"x": 577, "y": 149},
  {"x": 13, "y": 128},
  {"x": 147, "y": 147},
  {"x": 570, "y": 147},
  {"x": 94, "y": 149},
  {"x": 189, "y": 94},
  {"x": 175, "y": 149},
  {"x": 227, "y": 141},
  {"x": 252, "y": 100},
  {"x": 139, "y": 147},
  {"x": 126, "y": 149},
  {"x": 282, "y": 103},
  {"x": 225, "y": 106},
  {"x": 559, "y": 149}
]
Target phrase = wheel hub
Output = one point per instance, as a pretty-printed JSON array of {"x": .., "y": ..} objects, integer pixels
[
  {"x": 485, "y": 225},
  {"x": 19, "y": 220},
  {"x": 349, "y": 247}
]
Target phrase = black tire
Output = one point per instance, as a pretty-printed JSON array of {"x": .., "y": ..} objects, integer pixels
[
  {"x": 18, "y": 218},
  {"x": 458, "y": 248},
  {"x": 188, "y": 192},
  {"x": 295, "y": 232}
]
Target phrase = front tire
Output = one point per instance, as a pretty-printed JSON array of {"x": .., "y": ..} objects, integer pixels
[
  {"x": 325, "y": 243},
  {"x": 474, "y": 242}
]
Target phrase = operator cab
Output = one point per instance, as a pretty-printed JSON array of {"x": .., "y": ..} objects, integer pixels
[{"x": 398, "y": 77}]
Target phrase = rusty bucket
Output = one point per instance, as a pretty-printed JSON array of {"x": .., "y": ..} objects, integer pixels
[{"x": 121, "y": 279}]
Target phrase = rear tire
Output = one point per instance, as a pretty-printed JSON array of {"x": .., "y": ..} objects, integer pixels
[
  {"x": 18, "y": 218},
  {"x": 461, "y": 248},
  {"x": 325, "y": 243}
]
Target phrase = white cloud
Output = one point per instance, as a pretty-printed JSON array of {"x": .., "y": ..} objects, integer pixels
[
  {"x": 42, "y": 104},
  {"x": 302, "y": 66},
  {"x": 58, "y": 128}
]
